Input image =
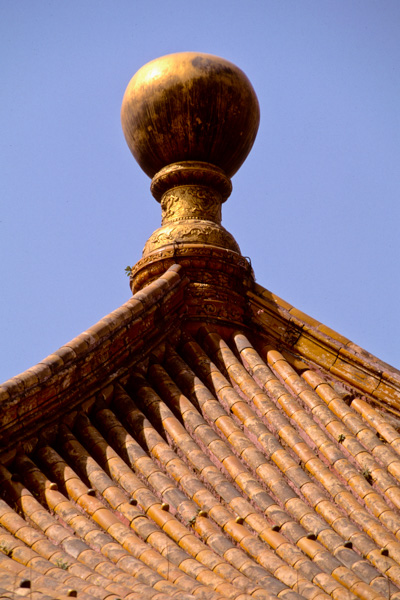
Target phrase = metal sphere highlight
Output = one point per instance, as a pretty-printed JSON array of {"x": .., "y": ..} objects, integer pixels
[{"x": 190, "y": 107}]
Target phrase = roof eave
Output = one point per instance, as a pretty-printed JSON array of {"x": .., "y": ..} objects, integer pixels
[
  {"x": 309, "y": 339},
  {"x": 91, "y": 361}
]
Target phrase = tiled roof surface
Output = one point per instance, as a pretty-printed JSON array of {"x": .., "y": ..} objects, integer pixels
[
  {"x": 46, "y": 392},
  {"x": 224, "y": 464}
]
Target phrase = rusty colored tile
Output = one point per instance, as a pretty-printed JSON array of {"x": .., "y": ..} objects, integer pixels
[
  {"x": 227, "y": 590},
  {"x": 394, "y": 469},
  {"x": 284, "y": 370},
  {"x": 333, "y": 334},
  {"x": 234, "y": 466},
  {"x": 302, "y": 450},
  {"x": 270, "y": 320},
  {"x": 29, "y": 505},
  {"x": 283, "y": 460},
  {"x": 226, "y": 425},
  {"x": 361, "y": 589},
  {"x": 254, "y": 458},
  {"x": 236, "y": 531},
  {"x": 312, "y": 493},
  {"x": 23, "y": 554},
  {"x": 57, "y": 533},
  {"x": 268, "y": 441},
  {"x": 271, "y": 298},
  {"x": 175, "y": 530},
  {"x": 242, "y": 411},
  {"x": 29, "y": 535},
  {"x": 388, "y": 393},
  {"x": 273, "y": 538},
  {"x": 105, "y": 518},
  {"x": 219, "y": 543},
  {"x": 239, "y": 441},
  {"x": 11, "y": 520},
  {"x": 354, "y": 375},
  {"x": 174, "y": 428},
  {"x": 201, "y": 573},
  {"x": 75, "y": 488},
  {"x": 311, "y": 349},
  {"x": 294, "y": 312},
  {"x": 193, "y": 546}
]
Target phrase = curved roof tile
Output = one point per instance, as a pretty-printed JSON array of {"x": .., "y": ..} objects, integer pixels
[{"x": 205, "y": 461}]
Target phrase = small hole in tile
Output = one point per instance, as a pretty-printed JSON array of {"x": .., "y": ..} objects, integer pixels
[{"x": 239, "y": 520}]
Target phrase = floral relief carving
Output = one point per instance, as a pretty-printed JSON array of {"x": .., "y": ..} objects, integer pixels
[
  {"x": 188, "y": 232},
  {"x": 191, "y": 202},
  {"x": 204, "y": 260},
  {"x": 219, "y": 310}
]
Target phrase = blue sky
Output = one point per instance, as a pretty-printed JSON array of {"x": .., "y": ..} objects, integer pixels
[{"x": 316, "y": 205}]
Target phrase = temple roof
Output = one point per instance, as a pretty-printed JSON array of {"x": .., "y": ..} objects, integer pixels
[{"x": 206, "y": 439}]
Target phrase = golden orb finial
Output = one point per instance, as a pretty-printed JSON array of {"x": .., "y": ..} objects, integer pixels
[
  {"x": 190, "y": 106},
  {"x": 190, "y": 120}
]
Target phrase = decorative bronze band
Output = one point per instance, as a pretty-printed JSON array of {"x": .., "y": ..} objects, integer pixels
[
  {"x": 191, "y": 202},
  {"x": 191, "y": 173}
]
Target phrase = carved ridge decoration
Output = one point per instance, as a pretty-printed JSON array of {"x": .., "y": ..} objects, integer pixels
[
  {"x": 213, "y": 300},
  {"x": 190, "y": 129},
  {"x": 217, "y": 310},
  {"x": 196, "y": 230},
  {"x": 191, "y": 202},
  {"x": 217, "y": 278},
  {"x": 203, "y": 256},
  {"x": 189, "y": 173},
  {"x": 191, "y": 235},
  {"x": 191, "y": 194}
]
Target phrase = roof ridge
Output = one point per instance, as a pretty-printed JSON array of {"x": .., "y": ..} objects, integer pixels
[
  {"x": 315, "y": 342},
  {"x": 54, "y": 380}
]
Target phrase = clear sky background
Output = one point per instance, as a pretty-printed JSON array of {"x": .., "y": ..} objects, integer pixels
[{"x": 316, "y": 205}]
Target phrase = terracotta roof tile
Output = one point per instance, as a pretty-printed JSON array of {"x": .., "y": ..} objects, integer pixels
[{"x": 215, "y": 469}]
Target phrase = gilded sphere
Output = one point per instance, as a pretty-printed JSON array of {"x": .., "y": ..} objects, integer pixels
[{"x": 190, "y": 107}]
